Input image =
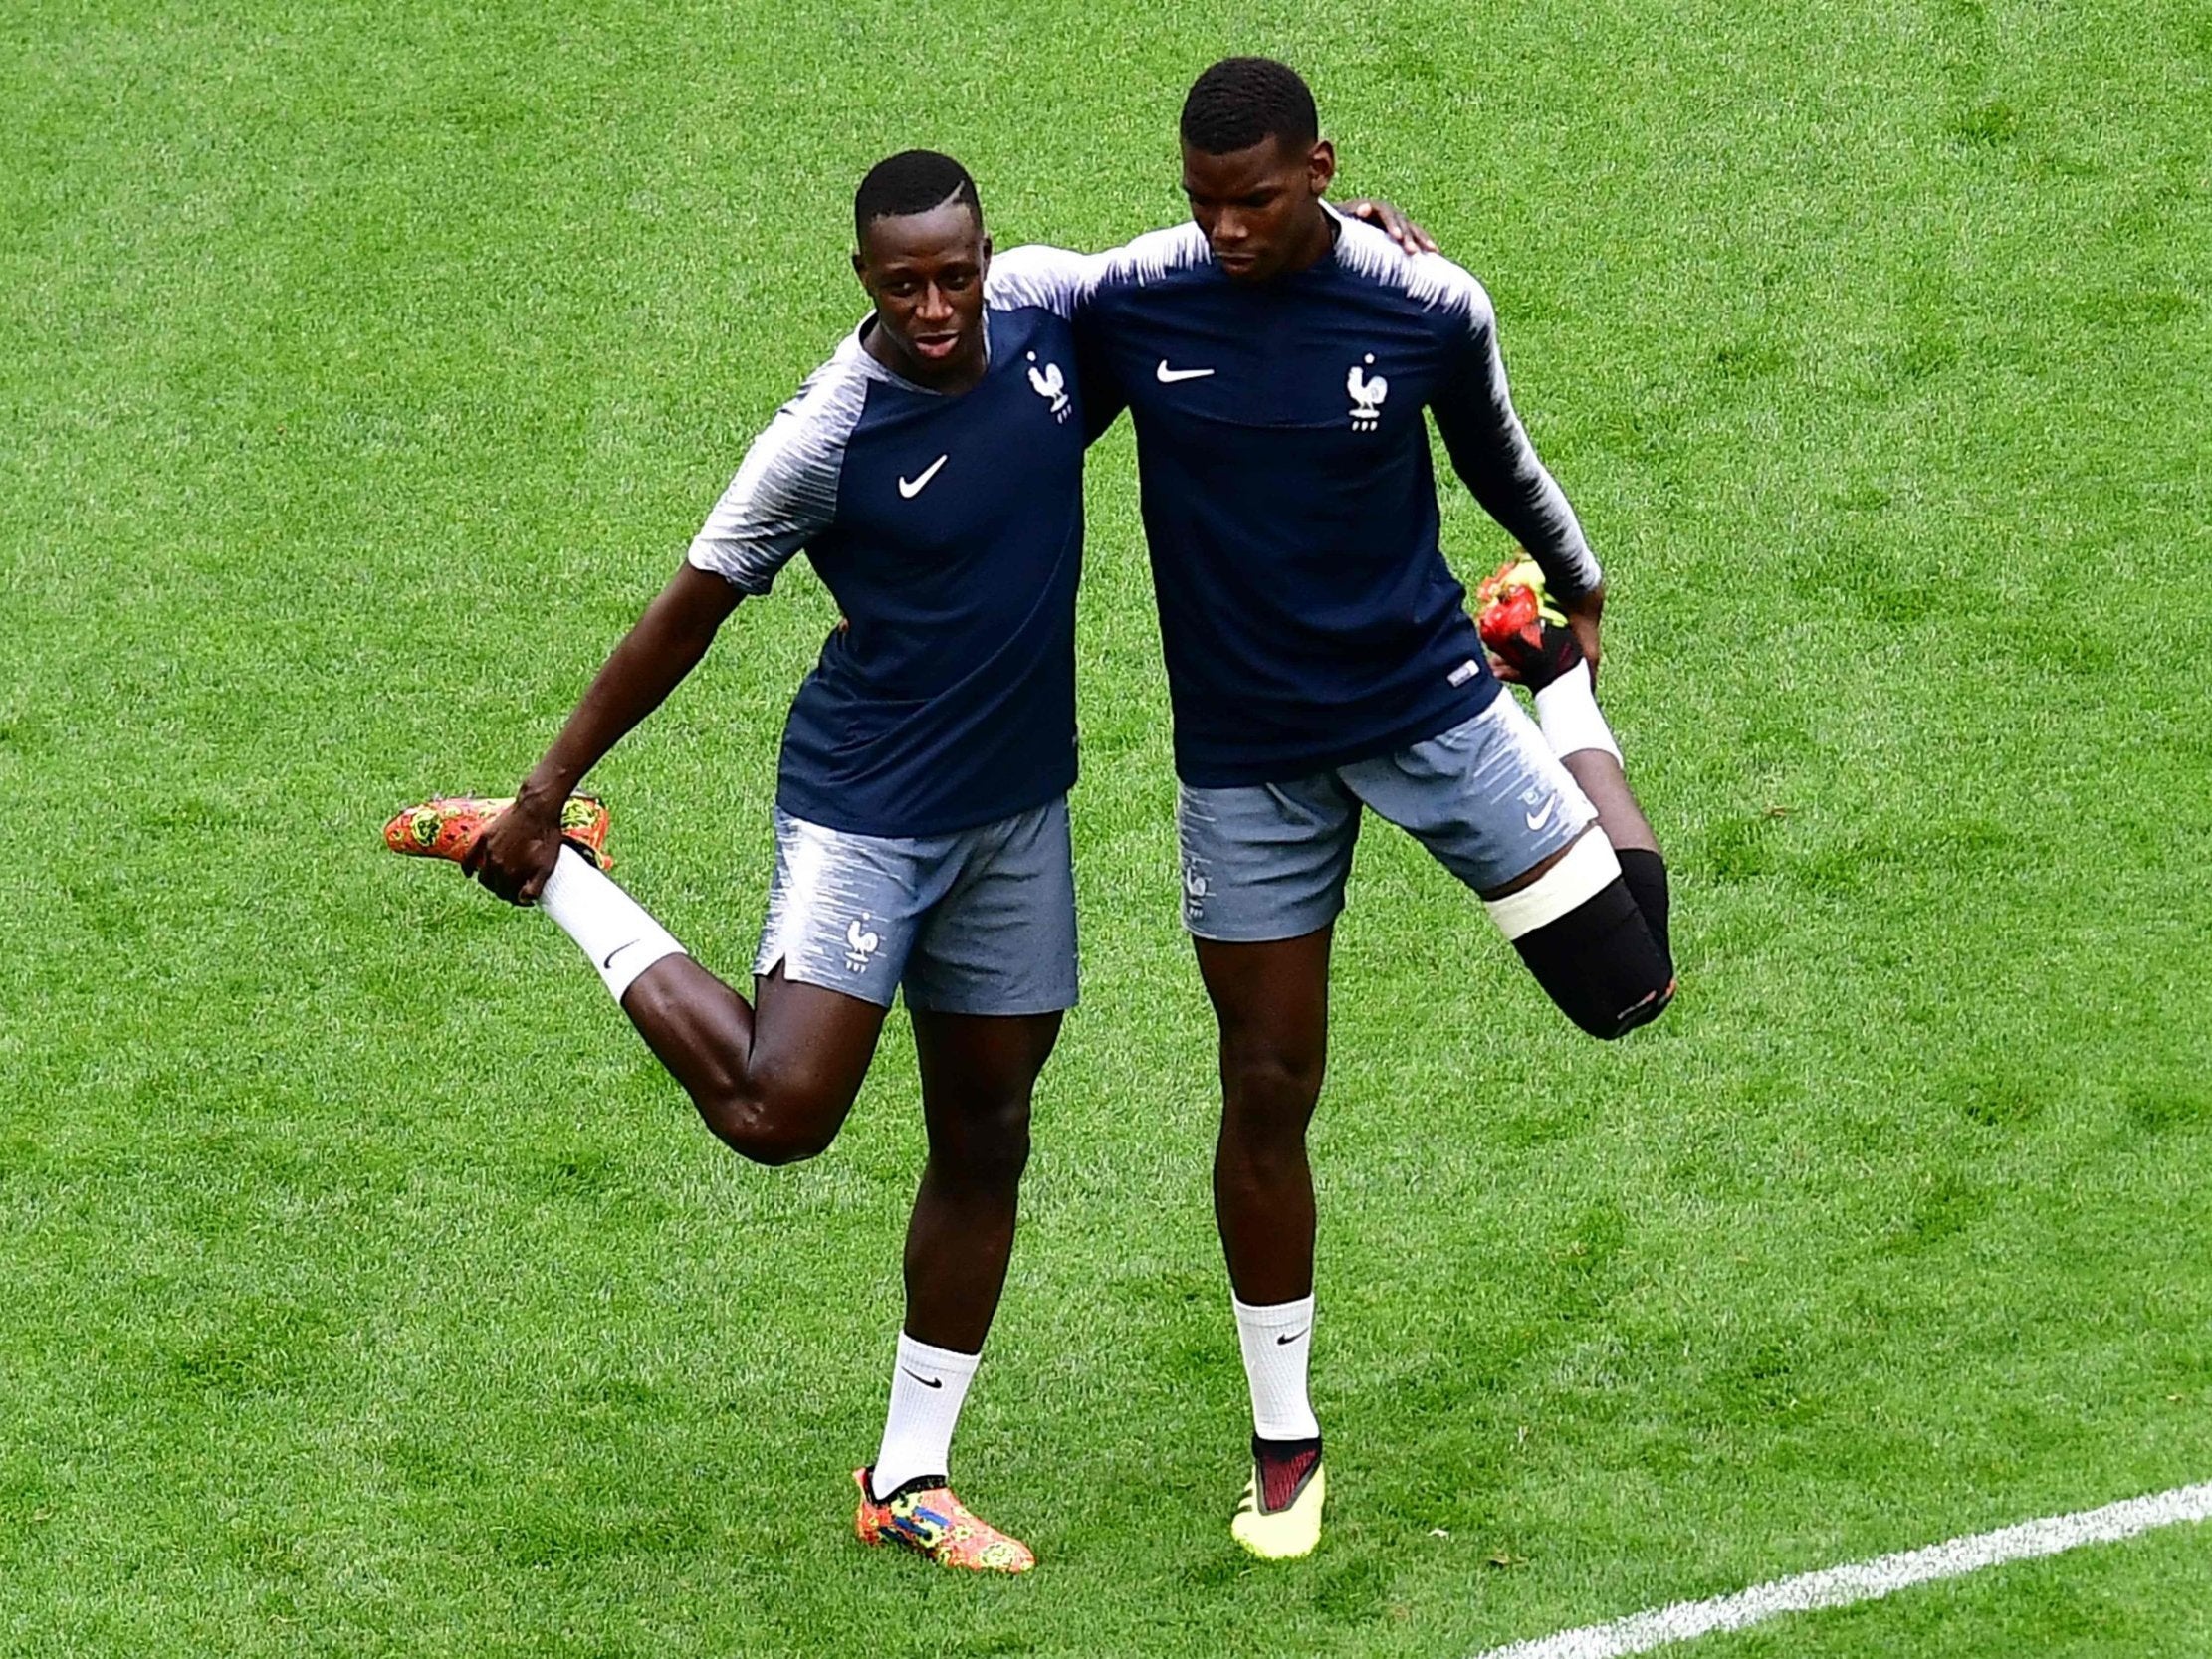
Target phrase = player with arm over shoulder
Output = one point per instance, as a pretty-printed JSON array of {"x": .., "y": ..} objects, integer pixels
[
  {"x": 1277, "y": 359},
  {"x": 932, "y": 472}
]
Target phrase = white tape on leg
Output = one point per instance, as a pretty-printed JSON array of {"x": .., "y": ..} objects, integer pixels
[{"x": 1574, "y": 880}]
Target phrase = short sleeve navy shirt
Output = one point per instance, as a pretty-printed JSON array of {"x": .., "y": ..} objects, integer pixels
[{"x": 950, "y": 532}]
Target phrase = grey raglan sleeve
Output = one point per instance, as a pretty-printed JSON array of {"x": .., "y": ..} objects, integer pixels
[
  {"x": 785, "y": 492},
  {"x": 1052, "y": 279},
  {"x": 1491, "y": 453}
]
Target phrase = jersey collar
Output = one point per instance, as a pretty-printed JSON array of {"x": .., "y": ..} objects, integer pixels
[{"x": 856, "y": 347}]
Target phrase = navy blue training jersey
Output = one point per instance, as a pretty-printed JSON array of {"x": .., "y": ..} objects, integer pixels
[
  {"x": 1308, "y": 617},
  {"x": 950, "y": 531}
]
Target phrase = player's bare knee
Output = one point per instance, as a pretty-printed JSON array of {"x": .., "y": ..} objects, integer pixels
[
  {"x": 1006, "y": 1150},
  {"x": 1583, "y": 937},
  {"x": 1265, "y": 1082},
  {"x": 1266, "y": 1104},
  {"x": 767, "y": 1127},
  {"x": 786, "y": 1144},
  {"x": 1002, "y": 1162},
  {"x": 990, "y": 1147}
]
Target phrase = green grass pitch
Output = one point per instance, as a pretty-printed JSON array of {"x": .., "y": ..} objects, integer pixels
[{"x": 365, "y": 1290}]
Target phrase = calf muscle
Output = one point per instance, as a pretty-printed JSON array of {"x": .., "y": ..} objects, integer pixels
[{"x": 978, "y": 1076}]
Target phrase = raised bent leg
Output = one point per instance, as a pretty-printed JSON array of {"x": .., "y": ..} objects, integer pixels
[
  {"x": 1533, "y": 833},
  {"x": 1579, "y": 930},
  {"x": 1592, "y": 923},
  {"x": 1642, "y": 866},
  {"x": 774, "y": 1082},
  {"x": 1536, "y": 645},
  {"x": 1576, "y": 730}
]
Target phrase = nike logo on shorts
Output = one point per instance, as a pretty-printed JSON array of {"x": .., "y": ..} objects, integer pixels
[
  {"x": 1537, "y": 820},
  {"x": 910, "y": 491},
  {"x": 1169, "y": 376}
]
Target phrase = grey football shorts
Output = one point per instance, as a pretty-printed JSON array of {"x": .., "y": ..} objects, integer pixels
[
  {"x": 978, "y": 921},
  {"x": 1488, "y": 798}
]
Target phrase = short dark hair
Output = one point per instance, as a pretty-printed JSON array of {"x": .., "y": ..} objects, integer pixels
[
  {"x": 1242, "y": 102},
  {"x": 912, "y": 181}
]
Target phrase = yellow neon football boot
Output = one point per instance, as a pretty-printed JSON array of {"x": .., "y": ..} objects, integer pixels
[
  {"x": 1279, "y": 1516},
  {"x": 448, "y": 826},
  {"x": 932, "y": 1523}
]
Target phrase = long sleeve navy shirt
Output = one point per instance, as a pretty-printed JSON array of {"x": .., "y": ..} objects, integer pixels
[{"x": 1308, "y": 616}]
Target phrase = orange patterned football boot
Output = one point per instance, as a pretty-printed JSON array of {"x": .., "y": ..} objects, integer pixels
[
  {"x": 1521, "y": 626},
  {"x": 932, "y": 1522},
  {"x": 448, "y": 826}
]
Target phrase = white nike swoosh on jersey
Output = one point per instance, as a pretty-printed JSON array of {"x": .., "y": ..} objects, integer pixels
[
  {"x": 910, "y": 491},
  {"x": 1537, "y": 820},
  {"x": 1169, "y": 376}
]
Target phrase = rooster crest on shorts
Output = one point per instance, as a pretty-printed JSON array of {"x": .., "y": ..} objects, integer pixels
[
  {"x": 1195, "y": 889},
  {"x": 860, "y": 944}
]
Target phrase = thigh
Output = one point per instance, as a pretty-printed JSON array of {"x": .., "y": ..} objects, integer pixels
[
  {"x": 845, "y": 909},
  {"x": 1488, "y": 798},
  {"x": 810, "y": 1049},
  {"x": 978, "y": 1069},
  {"x": 1264, "y": 862},
  {"x": 1271, "y": 999},
  {"x": 999, "y": 940}
]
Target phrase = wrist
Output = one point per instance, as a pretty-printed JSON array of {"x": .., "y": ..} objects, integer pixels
[{"x": 545, "y": 791}]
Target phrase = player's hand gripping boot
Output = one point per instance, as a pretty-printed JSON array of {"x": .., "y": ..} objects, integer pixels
[
  {"x": 449, "y": 826},
  {"x": 1521, "y": 627},
  {"x": 932, "y": 1522},
  {"x": 1279, "y": 1516}
]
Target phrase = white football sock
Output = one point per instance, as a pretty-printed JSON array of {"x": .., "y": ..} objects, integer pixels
[
  {"x": 611, "y": 926},
  {"x": 1567, "y": 709},
  {"x": 1277, "y": 1341},
  {"x": 928, "y": 1386}
]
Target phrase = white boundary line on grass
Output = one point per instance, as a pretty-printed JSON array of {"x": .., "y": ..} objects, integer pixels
[{"x": 1839, "y": 1586}]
